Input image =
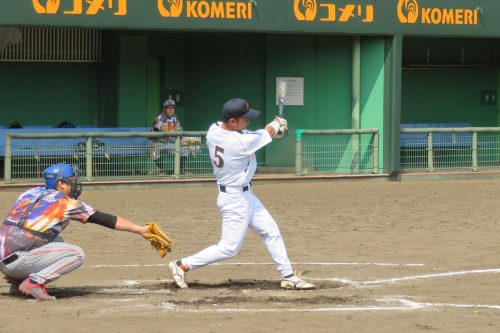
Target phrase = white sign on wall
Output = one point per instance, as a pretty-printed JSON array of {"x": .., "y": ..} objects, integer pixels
[{"x": 294, "y": 90}]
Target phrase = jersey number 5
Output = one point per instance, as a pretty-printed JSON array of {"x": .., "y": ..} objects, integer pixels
[{"x": 218, "y": 158}]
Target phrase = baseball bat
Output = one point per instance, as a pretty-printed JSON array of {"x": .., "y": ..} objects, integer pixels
[{"x": 281, "y": 97}]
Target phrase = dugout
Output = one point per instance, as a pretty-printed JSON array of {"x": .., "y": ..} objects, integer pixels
[{"x": 363, "y": 64}]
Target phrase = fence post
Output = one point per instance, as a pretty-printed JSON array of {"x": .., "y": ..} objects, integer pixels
[
  {"x": 474, "y": 151},
  {"x": 375, "y": 152},
  {"x": 88, "y": 158},
  {"x": 177, "y": 158},
  {"x": 298, "y": 152},
  {"x": 8, "y": 159},
  {"x": 430, "y": 153}
]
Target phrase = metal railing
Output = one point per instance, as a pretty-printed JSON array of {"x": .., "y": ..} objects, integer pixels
[
  {"x": 464, "y": 148},
  {"x": 342, "y": 151},
  {"x": 156, "y": 155},
  {"x": 108, "y": 155}
]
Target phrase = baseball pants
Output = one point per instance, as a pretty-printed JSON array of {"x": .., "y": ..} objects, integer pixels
[
  {"x": 242, "y": 210},
  {"x": 46, "y": 263}
]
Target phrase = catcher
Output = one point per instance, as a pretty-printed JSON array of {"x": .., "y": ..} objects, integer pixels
[{"x": 33, "y": 254}]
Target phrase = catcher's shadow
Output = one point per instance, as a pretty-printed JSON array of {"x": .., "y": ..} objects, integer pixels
[{"x": 61, "y": 293}]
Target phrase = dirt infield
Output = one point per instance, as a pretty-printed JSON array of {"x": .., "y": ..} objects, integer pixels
[{"x": 412, "y": 256}]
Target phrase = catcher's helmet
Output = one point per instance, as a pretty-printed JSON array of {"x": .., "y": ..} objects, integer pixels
[
  {"x": 66, "y": 173},
  {"x": 169, "y": 102}
]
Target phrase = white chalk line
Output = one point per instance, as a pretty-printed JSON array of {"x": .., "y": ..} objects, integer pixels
[
  {"x": 436, "y": 275},
  {"x": 269, "y": 264},
  {"x": 406, "y": 305},
  {"x": 128, "y": 291},
  {"x": 349, "y": 281},
  {"x": 407, "y": 278}
]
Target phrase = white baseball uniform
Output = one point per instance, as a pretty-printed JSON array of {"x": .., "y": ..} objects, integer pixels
[{"x": 234, "y": 164}]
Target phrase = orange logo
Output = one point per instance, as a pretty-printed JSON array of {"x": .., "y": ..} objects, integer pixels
[
  {"x": 50, "y": 7},
  {"x": 407, "y": 11},
  {"x": 305, "y": 10},
  {"x": 174, "y": 10}
]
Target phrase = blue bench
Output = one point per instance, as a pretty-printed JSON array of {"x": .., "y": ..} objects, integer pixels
[
  {"x": 441, "y": 140},
  {"x": 70, "y": 146}
]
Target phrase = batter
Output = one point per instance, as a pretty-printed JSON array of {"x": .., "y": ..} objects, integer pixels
[{"x": 232, "y": 151}]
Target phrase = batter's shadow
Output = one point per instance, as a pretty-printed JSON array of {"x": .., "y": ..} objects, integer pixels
[
  {"x": 235, "y": 284},
  {"x": 241, "y": 284}
]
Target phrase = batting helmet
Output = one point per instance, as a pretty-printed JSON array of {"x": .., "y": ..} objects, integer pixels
[
  {"x": 169, "y": 102},
  {"x": 66, "y": 173}
]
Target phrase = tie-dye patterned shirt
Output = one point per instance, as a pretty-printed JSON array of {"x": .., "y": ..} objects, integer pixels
[
  {"x": 48, "y": 217},
  {"x": 163, "y": 123}
]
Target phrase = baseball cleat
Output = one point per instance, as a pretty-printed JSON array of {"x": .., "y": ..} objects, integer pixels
[
  {"x": 38, "y": 291},
  {"x": 14, "y": 287},
  {"x": 296, "y": 283},
  {"x": 14, "y": 290},
  {"x": 178, "y": 275}
]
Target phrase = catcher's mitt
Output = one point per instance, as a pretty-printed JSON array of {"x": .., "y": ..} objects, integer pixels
[{"x": 159, "y": 240}]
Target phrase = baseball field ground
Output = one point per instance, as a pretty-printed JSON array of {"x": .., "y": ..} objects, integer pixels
[{"x": 410, "y": 256}]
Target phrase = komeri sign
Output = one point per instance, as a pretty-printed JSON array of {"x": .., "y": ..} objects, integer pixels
[{"x": 409, "y": 11}]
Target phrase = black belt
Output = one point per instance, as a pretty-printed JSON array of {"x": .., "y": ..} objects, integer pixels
[
  {"x": 10, "y": 259},
  {"x": 223, "y": 188}
]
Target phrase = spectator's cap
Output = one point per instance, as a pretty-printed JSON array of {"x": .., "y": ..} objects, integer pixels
[
  {"x": 169, "y": 102},
  {"x": 238, "y": 108}
]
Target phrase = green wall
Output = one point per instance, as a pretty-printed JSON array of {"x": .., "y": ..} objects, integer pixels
[
  {"x": 46, "y": 94},
  {"x": 108, "y": 80},
  {"x": 289, "y": 56},
  {"x": 132, "y": 81},
  {"x": 219, "y": 67},
  {"x": 333, "y": 82},
  {"x": 140, "y": 69},
  {"x": 442, "y": 80},
  {"x": 207, "y": 69},
  {"x": 372, "y": 88},
  {"x": 447, "y": 95},
  {"x": 170, "y": 49},
  {"x": 325, "y": 64}
]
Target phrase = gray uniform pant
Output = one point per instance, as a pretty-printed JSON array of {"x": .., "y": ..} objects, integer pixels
[{"x": 46, "y": 263}]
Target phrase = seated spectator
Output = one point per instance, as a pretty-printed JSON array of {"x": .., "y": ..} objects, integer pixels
[
  {"x": 16, "y": 124},
  {"x": 166, "y": 121},
  {"x": 66, "y": 124}
]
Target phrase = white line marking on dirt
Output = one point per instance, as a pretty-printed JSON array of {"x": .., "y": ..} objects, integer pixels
[
  {"x": 133, "y": 283},
  {"x": 132, "y": 291},
  {"x": 474, "y": 306},
  {"x": 406, "y": 305},
  {"x": 428, "y": 276},
  {"x": 269, "y": 263},
  {"x": 126, "y": 265},
  {"x": 408, "y": 278},
  {"x": 367, "y": 308},
  {"x": 322, "y": 264},
  {"x": 418, "y": 305}
]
